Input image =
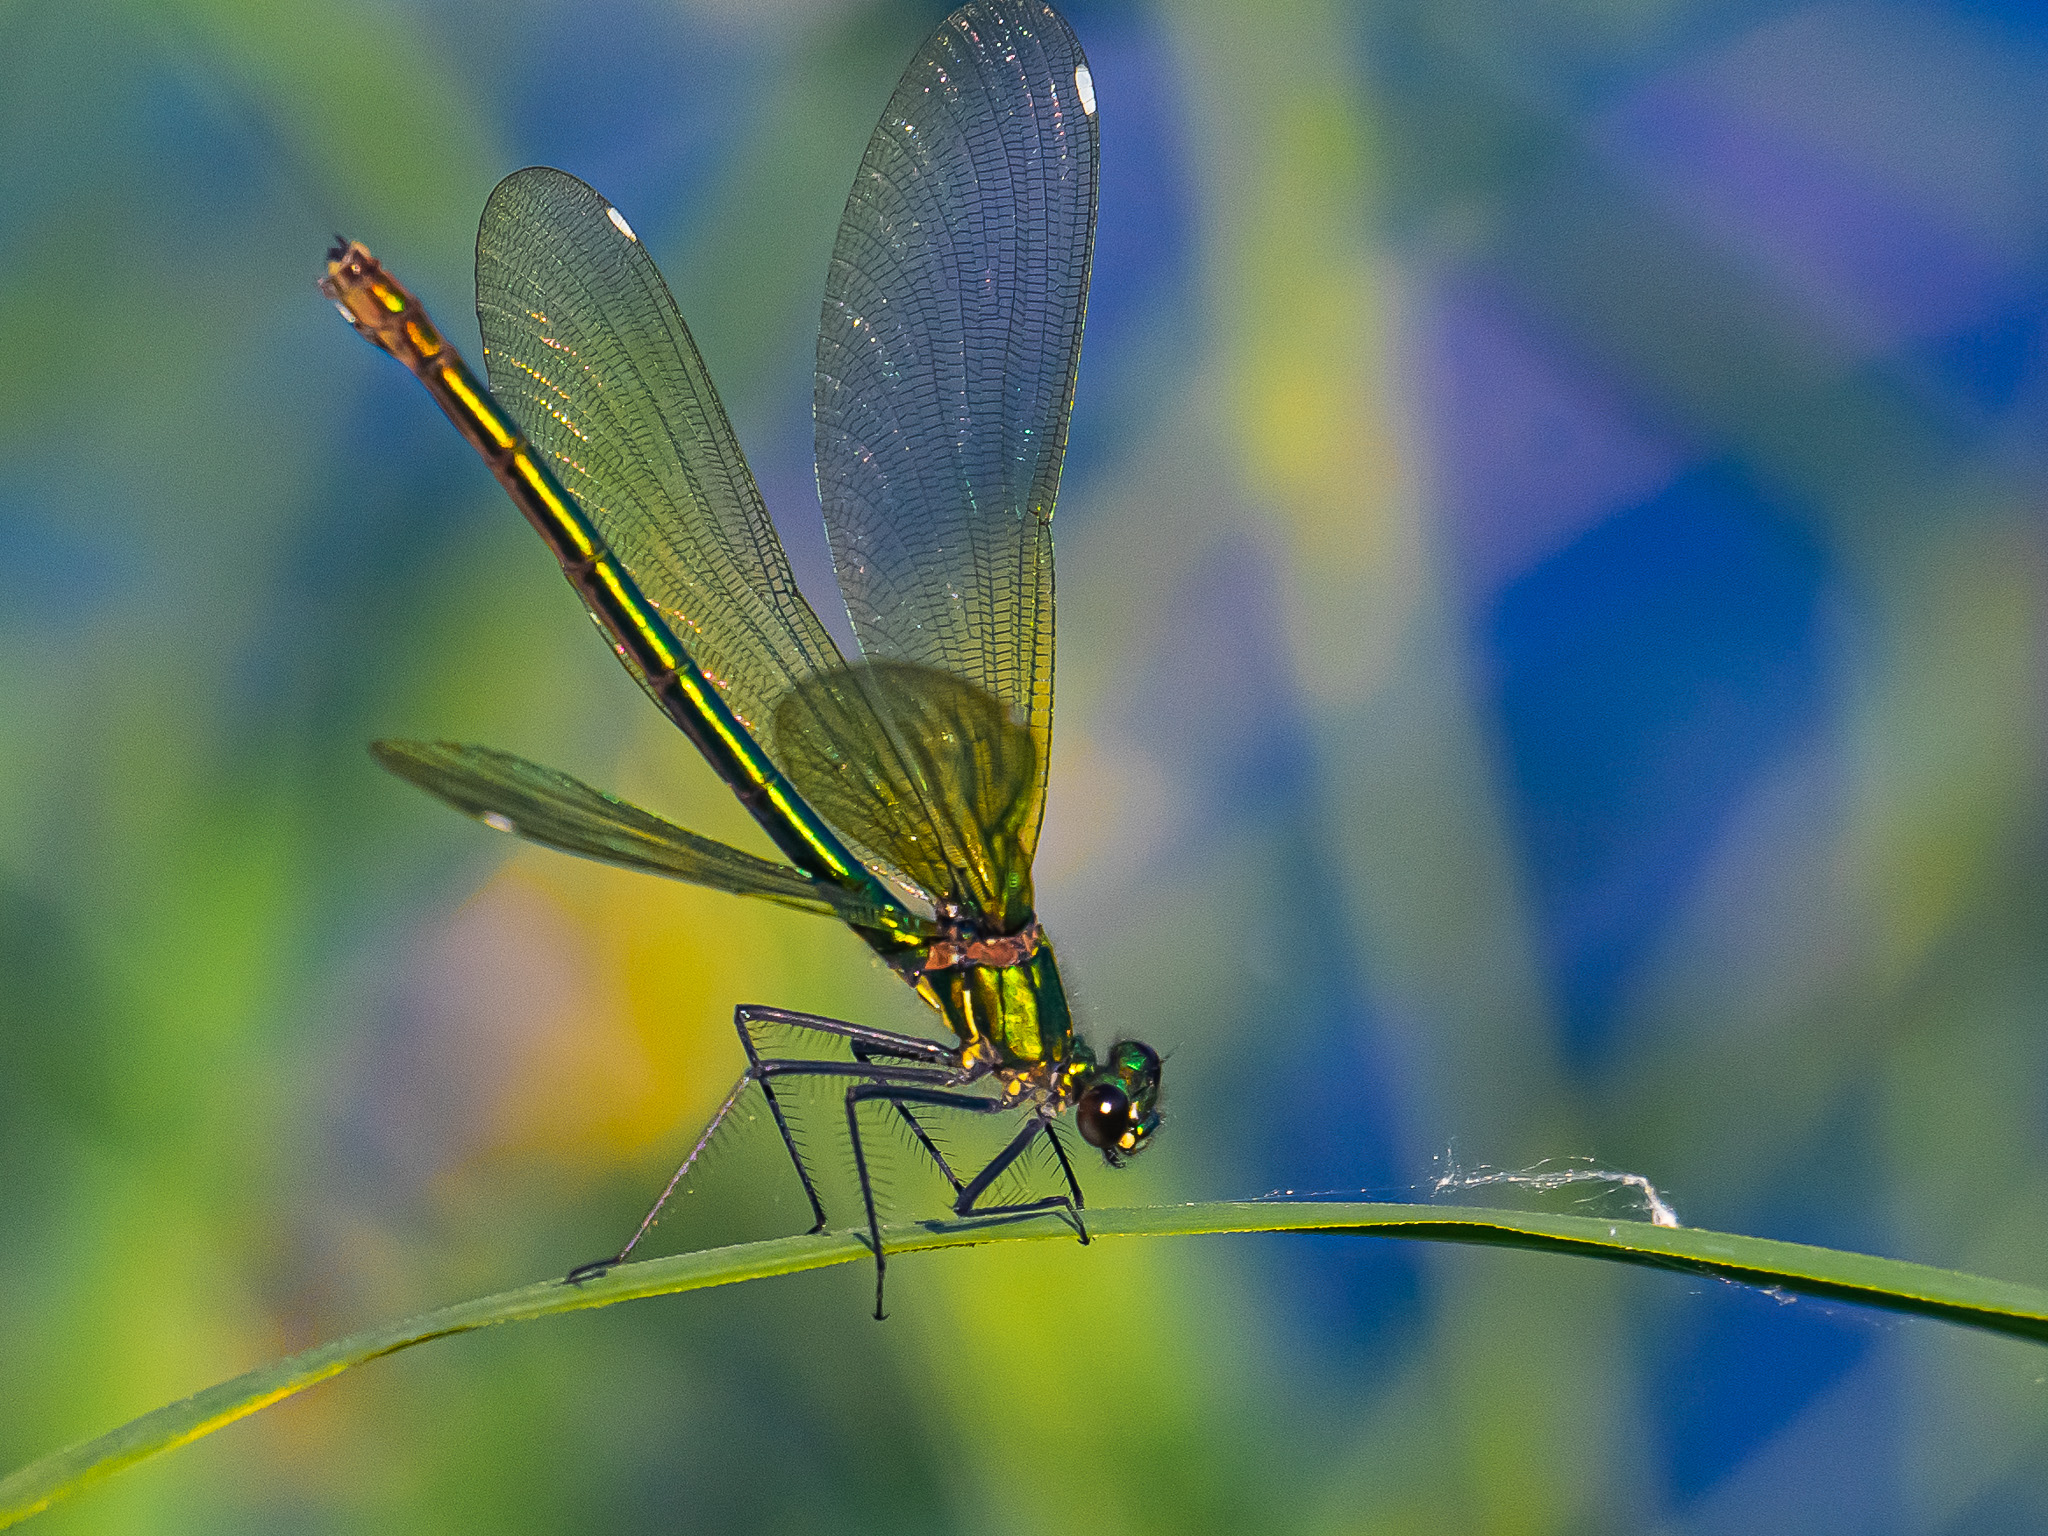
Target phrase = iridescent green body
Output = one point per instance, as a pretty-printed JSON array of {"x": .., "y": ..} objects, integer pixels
[
  {"x": 906, "y": 788},
  {"x": 1017, "y": 1011},
  {"x": 1012, "y": 1017}
]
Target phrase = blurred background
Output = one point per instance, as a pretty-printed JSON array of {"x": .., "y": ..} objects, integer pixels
[{"x": 1553, "y": 583}]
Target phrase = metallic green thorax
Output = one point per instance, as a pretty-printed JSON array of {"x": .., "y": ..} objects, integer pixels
[{"x": 1018, "y": 1013}]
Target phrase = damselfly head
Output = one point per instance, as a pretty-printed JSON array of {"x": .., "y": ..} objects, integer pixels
[
  {"x": 1119, "y": 1109},
  {"x": 350, "y": 271}
]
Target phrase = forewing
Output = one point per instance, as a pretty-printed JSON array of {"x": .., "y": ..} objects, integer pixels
[
  {"x": 947, "y": 350},
  {"x": 927, "y": 770},
  {"x": 586, "y": 348},
  {"x": 550, "y": 808}
]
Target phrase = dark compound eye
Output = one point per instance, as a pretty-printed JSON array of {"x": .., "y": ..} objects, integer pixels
[{"x": 1104, "y": 1115}]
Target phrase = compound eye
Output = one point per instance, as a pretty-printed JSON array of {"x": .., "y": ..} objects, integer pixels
[{"x": 1104, "y": 1115}]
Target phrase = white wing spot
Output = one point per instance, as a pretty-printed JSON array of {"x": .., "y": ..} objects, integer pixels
[
  {"x": 619, "y": 223},
  {"x": 1084, "y": 83},
  {"x": 498, "y": 821}
]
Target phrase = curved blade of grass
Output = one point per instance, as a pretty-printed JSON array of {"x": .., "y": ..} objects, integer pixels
[{"x": 2019, "y": 1311}]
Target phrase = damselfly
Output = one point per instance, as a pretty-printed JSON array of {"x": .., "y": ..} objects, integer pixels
[{"x": 905, "y": 789}]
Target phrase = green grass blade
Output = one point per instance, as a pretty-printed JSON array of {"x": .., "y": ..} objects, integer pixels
[{"x": 2018, "y": 1311}]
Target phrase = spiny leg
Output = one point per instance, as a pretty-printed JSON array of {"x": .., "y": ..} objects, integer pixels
[
  {"x": 936, "y": 1066},
  {"x": 924, "y": 1140},
  {"x": 749, "y": 1017},
  {"x": 865, "y": 1043},
  {"x": 1052, "y": 1134},
  {"x": 901, "y": 1094},
  {"x": 935, "y": 1063},
  {"x": 596, "y": 1267},
  {"x": 742, "y": 1020},
  {"x": 995, "y": 1167}
]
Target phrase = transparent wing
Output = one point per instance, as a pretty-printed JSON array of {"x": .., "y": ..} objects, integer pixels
[
  {"x": 587, "y": 350},
  {"x": 946, "y": 354},
  {"x": 550, "y": 808},
  {"x": 927, "y": 770}
]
